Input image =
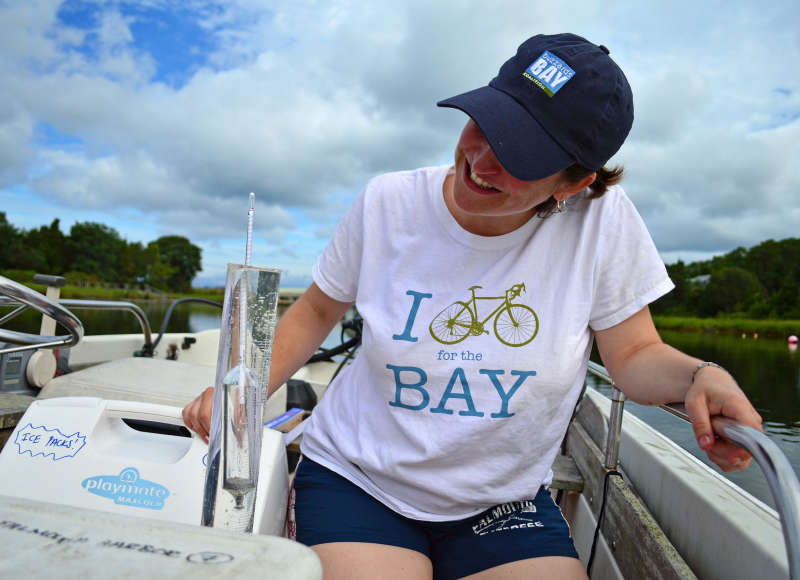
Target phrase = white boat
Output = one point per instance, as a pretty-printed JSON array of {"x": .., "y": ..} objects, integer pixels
[{"x": 664, "y": 513}]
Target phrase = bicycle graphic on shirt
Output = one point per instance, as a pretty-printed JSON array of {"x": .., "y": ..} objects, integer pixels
[{"x": 514, "y": 324}]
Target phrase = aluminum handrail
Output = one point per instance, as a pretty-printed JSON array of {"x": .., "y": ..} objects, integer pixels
[
  {"x": 136, "y": 310},
  {"x": 15, "y": 294},
  {"x": 81, "y": 304},
  {"x": 780, "y": 475}
]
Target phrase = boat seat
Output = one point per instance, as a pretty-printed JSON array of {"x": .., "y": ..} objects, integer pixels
[
  {"x": 146, "y": 380},
  {"x": 46, "y": 540},
  {"x": 566, "y": 475}
]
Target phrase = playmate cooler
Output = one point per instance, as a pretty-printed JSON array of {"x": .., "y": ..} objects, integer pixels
[{"x": 126, "y": 457}]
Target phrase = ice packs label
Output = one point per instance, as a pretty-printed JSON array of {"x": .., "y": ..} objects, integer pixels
[{"x": 48, "y": 442}]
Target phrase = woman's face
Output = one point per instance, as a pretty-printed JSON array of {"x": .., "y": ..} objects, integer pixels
[{"x": 485, "y": 197}]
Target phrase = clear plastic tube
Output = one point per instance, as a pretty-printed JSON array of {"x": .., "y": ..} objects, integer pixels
[{"x": 248, "y": 326}]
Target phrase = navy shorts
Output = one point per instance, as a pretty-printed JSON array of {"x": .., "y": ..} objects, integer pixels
[{"x": 328, "y": 508}]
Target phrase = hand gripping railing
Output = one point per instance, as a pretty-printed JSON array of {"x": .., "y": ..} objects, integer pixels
[{"x": 780, "y": 475}]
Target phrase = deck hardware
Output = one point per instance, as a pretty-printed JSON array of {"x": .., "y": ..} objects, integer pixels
[
  {"x": 136, "y": 310},
  {"x": 53, "y": 292},
  {"x": 614, "y": 428},
  {"x": 168, "y": 315}
]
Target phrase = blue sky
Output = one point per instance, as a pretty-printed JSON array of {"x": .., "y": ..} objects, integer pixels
[{"x": 159, "y": 117}]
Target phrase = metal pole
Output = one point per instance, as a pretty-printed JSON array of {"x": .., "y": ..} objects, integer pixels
[{"x": 614, "y": 428}]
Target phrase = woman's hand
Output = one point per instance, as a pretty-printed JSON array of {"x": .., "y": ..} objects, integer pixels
[
  {"x": 197, "y": 414},
  {"x": 651, "y": 373},
  {"x": 714, "y": 392}
]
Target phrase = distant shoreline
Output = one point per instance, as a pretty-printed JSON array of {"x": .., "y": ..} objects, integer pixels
[
  {"x": 763, "y": 328},
  {"x": 99, "y": 292}
]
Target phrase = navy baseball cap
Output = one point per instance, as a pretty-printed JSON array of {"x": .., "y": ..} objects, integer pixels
[{"x": 560, "y": 100}]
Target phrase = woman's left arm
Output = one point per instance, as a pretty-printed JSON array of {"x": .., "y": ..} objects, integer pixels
[{"x": 651, "y": 373}]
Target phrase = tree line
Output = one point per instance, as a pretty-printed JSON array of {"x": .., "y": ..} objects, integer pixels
[
  {"x": 96, "y": 252},
  {"x": 760, "y": 282}
]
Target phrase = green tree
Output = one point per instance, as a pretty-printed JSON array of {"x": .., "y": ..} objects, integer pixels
[
  {"x": 675, "y": 302},
  {"x": 730, "y": 290},
  {"x": 95, "y": 249},
  {"x": 158, "y": 273},
  {"x": 51, "y": 243},
  {"x": 182, "y": 256},
  {"x": 777, "y": 265},
  {"x": 10, "y": 243},
  {"x": 134, "y": 262},
  {"x": 15, "y": 253}
]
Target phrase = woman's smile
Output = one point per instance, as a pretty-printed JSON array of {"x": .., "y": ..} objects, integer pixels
[{"x": 475, "y": 183}]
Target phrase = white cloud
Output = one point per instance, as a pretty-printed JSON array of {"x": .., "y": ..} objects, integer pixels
[
  {"x": 16, "y": 151},
  {"x": 302, "y": 102}
]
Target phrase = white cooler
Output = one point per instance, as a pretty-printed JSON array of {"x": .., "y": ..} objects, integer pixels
[{"x": 79, "y": 451}]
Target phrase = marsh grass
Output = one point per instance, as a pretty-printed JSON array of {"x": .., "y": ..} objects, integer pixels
[{"x": 766, "y": 328}]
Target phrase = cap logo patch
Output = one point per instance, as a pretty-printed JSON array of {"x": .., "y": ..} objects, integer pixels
[{"x": 549, "y": 73}]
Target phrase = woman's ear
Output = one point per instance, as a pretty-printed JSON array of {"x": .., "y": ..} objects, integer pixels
[{"x": 569, "y": 188}]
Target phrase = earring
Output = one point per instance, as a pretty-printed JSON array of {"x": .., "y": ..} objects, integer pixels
[{"x": 561, "y": 205}]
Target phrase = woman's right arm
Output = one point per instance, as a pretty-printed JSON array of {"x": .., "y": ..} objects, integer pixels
[{"x": 298, "y": 335}]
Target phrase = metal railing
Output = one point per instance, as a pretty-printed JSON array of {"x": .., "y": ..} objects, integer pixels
[
  {"x": 138, "y": 313},
  {"x": 79, "y": 304},
  {"x": 15, "y": 294},
  {"x": 780, "y": 475}
]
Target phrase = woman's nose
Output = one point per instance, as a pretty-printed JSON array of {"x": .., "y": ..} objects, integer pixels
[
  {"x": 483, "y": 159},
  {"x": 479, "y": 153}
]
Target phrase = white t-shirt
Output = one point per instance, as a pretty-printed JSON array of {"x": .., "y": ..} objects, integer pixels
[{"x": 441, "y": 430}]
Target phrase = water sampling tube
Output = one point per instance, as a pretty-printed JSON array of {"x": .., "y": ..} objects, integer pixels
[{"x": 248, "y": 325}]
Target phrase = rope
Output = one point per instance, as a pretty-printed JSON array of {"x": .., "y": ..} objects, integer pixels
[{"x": 609, "y": 473}]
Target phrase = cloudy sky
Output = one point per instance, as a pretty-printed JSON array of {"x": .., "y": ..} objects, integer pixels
[{"x": 159, "y": 117}]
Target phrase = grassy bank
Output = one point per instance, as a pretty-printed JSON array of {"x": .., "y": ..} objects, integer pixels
[
  {"x": 732, "y": 326},
  {"x": 99, "y": 293}
]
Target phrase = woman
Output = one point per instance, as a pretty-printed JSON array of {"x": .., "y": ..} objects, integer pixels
[{"x": 430, "y": 455}]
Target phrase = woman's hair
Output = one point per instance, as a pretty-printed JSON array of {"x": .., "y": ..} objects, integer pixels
[{"x": 606, "y": 177}]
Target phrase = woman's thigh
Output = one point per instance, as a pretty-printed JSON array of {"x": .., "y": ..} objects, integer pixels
[
  {"x": 549, "y": 567},
  {"x": 363, "y": 561}
]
